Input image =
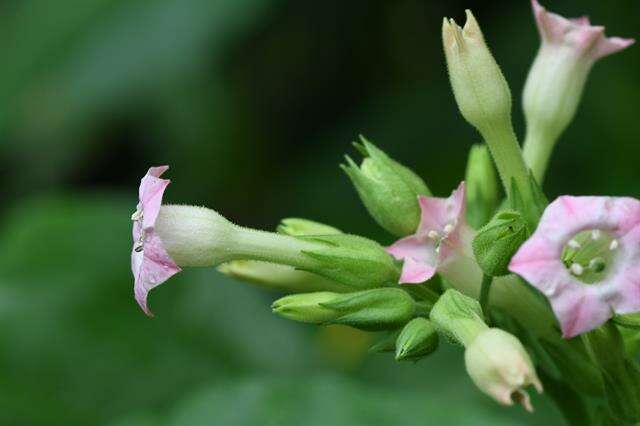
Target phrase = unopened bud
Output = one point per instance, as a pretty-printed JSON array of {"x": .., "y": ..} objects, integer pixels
[
  {"x": 458, "y": 317},
  {"x": 481, "y": 91},
  {"x": 497, "y": 242},
  {"x": 417, "y": 339},
  {"x": 482, "y": 186},
  {"x": 388, "y": 190},
  {"x": 307, "y": 307},
  {"x": 500, "y": 367}
]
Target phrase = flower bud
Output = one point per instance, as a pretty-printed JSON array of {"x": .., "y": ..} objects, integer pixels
[
  {"x": 569, "y": 49},
  {"x": 482, "y": 186},
  {"x": 458, "y": 317},
  {"x": 307, "y": 307},
  {"x": 388, "y": 190},
  {"x": 500, "y": 367},
  {"x": 376, "y": 309},
  {"x": 355, "y": 261},
  {"x": 497, "y": 242},
  {"x": 295, "y": 226},
  {"x": 417, "y": 339},
  {"x": 278, "y": 277},
  {"x": 480, "y": 89}
]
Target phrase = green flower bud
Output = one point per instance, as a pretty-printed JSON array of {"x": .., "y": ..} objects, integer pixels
[
  {"x": 295, "y": 227},
  {"x": 482, "y": 186},
  {"x": 376, "y": 309},
  {"x": 388, "y": 190},
  {"x": 355, "y": 261},
  {"x": 458, "y": 317},
  {"x": 498, "y": 241},
  {"x": 278, "y": 277},
  {"x": 417, "y": 339},
  {"x": 306, "y": 307}
]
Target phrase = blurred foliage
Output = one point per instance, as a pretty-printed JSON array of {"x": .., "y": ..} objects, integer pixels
[{"x": 253, "y": 103}]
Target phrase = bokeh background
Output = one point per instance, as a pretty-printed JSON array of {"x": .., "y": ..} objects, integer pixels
[{"x": 253, "y": 104}]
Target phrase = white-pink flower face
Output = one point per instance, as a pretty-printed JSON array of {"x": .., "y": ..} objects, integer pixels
[
  {"x": 585, "y": 257},
  {"x": 150, "y": 263},
  {"x": 438, "y": 236}
]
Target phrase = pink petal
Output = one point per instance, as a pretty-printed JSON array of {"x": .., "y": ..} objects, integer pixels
[
  {"x": 151, "y": 190},
  {"x": 436, "y": 213},
  {"x": 151, "y": 267},
  {"x": 579, "y": 309},
  {"x": 414, "y": 272}
]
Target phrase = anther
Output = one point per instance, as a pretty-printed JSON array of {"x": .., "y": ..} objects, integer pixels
[
  {"x": 576, "y": 269},
  {"x": 137, "y": 215},
  {"x": 448, "y": 228},
  {"x": 597, "y": 264},
  {"x": 574, "y": 244},
  {"x": 614, "y": 245},
  {"x": 596, "y": 234},
  {"x": 434, "y": 235}
]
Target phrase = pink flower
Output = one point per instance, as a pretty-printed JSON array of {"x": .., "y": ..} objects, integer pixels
[
  {"x": 577, "y": 33},
  {"x": 585, "y": 257},
  {"x": 150, "y": 263},
  {"x": 440, "y": 235}
]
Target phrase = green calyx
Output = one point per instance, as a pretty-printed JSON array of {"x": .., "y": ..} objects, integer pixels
[
  {"x": 388, "y": 190},
  {"x": 458, "y": 317},
  {"x": 296, "y": 226},
  {"x": 373, "y": 310},
  {"x": 418, "y": 339},
  {"x": 498, "y": 241},
  {"x": 355, "y": 261}
]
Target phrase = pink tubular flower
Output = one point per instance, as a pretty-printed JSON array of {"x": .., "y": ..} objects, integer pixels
[
  {"x": 440, "y": 233},
  {"x": 577, "y": 33},
  {"x": 150, "y": 262},
  {"x": 585, "y": 257}
]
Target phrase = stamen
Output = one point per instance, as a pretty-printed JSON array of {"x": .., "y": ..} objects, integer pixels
[
  {"x": 614, "y": 245},
  {"x": 596, "y": 234},
  {"x": 137, "y": 215},
  {"x": 597, "y": 264},
  {"x": 574, "y": 244},
  {"x": 434, "y": 235},
  {"x": 448, "y": 228},
  {"x": 576, "y": 269}
]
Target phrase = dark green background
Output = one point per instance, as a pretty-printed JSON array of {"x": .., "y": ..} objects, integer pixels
[{"x": 252, "y": 103}]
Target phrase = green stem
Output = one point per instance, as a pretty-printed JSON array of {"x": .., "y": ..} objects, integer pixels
[
  {"x": 484, "y": 295},
  {"x": 537, "y": 151}
]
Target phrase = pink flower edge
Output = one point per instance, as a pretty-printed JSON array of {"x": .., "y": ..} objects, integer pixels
[
  {"x": 150, "y": 263},
  {"x": 577, "y": 32},
  {"x": 581, "y": 307}
]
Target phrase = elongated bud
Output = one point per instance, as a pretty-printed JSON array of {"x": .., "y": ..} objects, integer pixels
[
  {"x": 458, "y": 317},
  {"x": 500, "y": 367},
  {"x": 376, "y": 309},
  {"x": 497, "y": 242},
  {"x": 196, "y": 236},
  {"x": 306, "y": 307},
  {"x": 481, "y": 91},
  {"x": 417, "y": 340},
  {"x": 569, "y": 49},
  {"x": 388, "y": 190},
  {"x": 482, "y": 186},
  {"x": 279, "y": 277},
  {"x": 295, "y": 226},
  {"x": 484, "y": 99}
]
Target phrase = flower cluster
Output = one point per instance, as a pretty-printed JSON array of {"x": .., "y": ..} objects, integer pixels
[{"x": 503, "y": 279}]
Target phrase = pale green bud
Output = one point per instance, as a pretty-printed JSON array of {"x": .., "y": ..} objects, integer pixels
[
  {"x": 500, "y": 367},
  {"x": 458, "y": 317},
  {"x": 307, "y": 307},
  {"x": 480, "y": 89},
  {"x": 278, "y": 277},
  {"x": 295, "y": 226},
  {"x": 418, "y": 339},
  {"x": 352, "y": 260},
  {"x": 495, "y": 243},
  {"x": 376, "y": 309},
  {"x": 482, "y": 186},
  {"x": 388, "y": 190}
]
